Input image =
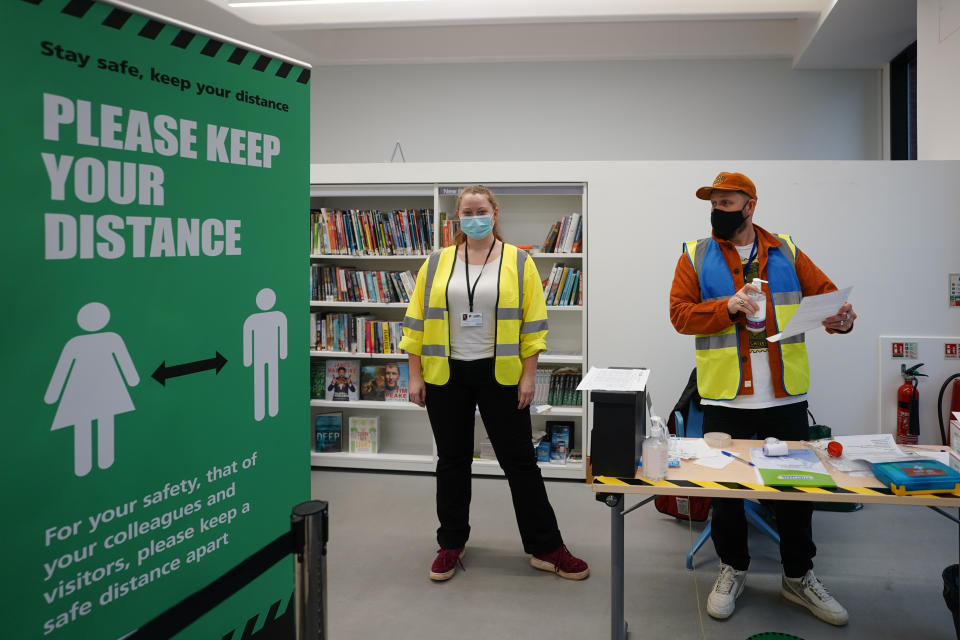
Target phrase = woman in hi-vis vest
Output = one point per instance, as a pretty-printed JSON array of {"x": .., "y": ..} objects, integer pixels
[{"x": 474, "y": 328}]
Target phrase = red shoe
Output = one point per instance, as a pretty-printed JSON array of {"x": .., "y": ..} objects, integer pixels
[
  {"x": 446, "y": 564},
  {"x": 561, "y": 562}
]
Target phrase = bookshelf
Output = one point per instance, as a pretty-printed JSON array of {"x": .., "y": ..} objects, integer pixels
[{"x": 527, "y": 212}]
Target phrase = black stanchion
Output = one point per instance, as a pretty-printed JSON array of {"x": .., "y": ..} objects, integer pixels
[
  {"x": 307, "y": 540},
  {"x": 310, "y": 524}
]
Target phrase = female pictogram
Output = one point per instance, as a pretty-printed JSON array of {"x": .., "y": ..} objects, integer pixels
[{"x": 90, "y": 381}]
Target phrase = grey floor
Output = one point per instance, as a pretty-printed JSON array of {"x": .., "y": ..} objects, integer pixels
[{"x": 882, "y": 563}]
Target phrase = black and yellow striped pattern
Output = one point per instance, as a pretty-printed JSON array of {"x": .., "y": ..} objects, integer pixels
[
  {"x": 756, "y": 491},
  {"x": 176, "y": 36}
]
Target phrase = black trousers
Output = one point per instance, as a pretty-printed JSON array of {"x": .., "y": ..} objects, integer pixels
[
  {"x": 451, "y": 410},
  {"x": 794, "y": 519}
]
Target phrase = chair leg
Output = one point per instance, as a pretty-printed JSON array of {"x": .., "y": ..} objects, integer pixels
[
  {"x": 752, "y": 511},
  {"x": 696, "y": 545}
]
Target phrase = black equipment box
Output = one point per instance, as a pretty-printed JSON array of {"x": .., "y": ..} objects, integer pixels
[{"x": 619, "y": 427}]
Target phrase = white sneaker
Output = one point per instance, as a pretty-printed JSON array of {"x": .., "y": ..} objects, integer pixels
[
  {"x": 809, "y": 592},
  {"x": 726, "y": 590}
]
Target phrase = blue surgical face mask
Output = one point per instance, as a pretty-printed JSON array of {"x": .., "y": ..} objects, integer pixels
[{"x": 477, "y": 226}]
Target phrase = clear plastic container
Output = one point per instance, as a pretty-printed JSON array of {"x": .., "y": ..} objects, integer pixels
[
  {"x": 655, "y": 450},
  {"x": 758, "y": 321}
]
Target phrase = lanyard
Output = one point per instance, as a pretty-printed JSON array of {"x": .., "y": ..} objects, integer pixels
[
  {"x": 466, "y": 271},
  {"x": 753, "y": 252}
]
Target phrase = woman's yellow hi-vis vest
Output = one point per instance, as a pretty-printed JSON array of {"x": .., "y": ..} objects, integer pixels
[
  {"x": 718, "y": 354},
  {"x": 521, "y": 316}
]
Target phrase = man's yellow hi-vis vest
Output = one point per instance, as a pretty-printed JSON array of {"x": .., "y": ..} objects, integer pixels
[
  {"x": 718, "y": 354},
  {"x": 521, "y": 316}
]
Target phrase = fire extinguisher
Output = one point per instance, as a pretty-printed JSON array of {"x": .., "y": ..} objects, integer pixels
[{"x": 908, "y": 406}]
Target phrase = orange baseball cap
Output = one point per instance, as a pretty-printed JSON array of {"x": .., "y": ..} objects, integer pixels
[{"x": 729, "y": 181}]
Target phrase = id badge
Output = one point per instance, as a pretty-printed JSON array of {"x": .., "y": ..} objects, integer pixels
[{"x": 471, "y": 319}]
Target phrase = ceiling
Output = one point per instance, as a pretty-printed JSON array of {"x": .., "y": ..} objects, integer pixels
[{"x": 814, "y": 34}]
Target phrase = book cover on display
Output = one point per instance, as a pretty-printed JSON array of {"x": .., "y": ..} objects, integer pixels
[
  {"x": 563, "y": 426},
  {"x": 364, "y": 434},
  {"x": 327, "y": 432},
  {"x": 559, "y": 443},
  {"x": 318, "y": 377},
  {"x": 343, "y": 379},
  {"x": 389, "y": 382}
]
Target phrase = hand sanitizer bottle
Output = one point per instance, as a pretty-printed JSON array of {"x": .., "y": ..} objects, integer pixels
[
  {"x": 758, "y": 321},
  {"x": 655, "y": 450}
]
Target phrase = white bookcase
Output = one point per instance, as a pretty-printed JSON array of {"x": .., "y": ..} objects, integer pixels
[{"x": 528, "y": 209}]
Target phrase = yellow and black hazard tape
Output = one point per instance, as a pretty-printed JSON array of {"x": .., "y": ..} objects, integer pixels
[
  {"x": 759, "y": 488},
  {"x": 176, "y": 36}
]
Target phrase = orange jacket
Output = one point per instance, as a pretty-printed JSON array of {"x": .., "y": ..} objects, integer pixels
[{"x": 691, "y": 316}]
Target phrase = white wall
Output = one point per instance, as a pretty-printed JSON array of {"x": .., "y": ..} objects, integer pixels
[
  {"x": 888, "y": 229},
  {"x": 938, "y": 92},
  {"x": 613, "y": 110}
]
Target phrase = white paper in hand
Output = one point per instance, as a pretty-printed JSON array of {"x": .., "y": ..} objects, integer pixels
[{"x": 811, "y": 313}]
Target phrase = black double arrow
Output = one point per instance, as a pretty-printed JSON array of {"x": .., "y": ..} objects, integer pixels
[{"x": 164, "y": 372}]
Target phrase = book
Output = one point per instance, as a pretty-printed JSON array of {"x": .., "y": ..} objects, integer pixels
[
  {"x": 562, "y": 426},
  {"x": 327, "y": 432},
  {"x": 799, "y": 468},
  {"x": 577, "y": 245},
  {"x": 569, "y": 232},
  {"x": 563, "y": 298},
  {"x": 548, "y": 283},
  {"x": 318, "y": 377},
  {"x": 364, "y": 434},
  {"x": 389, "y": 382},
  {"x": 559, "y": 443},
  {"x": 550, "y": 241},
  {"x": 342, "y": 379},
  {"x": 551, "y": 297}
]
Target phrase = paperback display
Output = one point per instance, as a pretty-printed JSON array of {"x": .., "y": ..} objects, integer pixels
[
  {"x": 389, "y": 382},
  {"x": 558, "y": 387},
  {"x": 564, "y": 236},
  {"x": 327, "y": 432},
  {"x": 364, "y": 434},
  {"x": 342, "y": 378},
  {"x": 356, "y": 333},
  {"x": 365, "y": 233},
  {"x": 563, "y": 287},
  {"x": 349, "y": 284}
]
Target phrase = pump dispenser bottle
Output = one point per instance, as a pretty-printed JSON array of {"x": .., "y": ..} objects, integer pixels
[
  {"x": 656, "y": 450},
  {"x": 758, "y": 321}
]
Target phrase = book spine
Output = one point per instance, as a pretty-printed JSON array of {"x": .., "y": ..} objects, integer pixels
[{"x": 561, "y": 276}]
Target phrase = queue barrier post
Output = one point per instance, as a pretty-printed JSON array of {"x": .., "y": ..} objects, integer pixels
[{"x": 311, "y": 529}]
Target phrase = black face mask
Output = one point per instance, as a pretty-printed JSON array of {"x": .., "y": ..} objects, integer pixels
[{"x": 726, "y": 223}]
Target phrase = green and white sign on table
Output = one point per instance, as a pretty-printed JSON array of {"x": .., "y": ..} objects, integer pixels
[{"x": 154, "y": 381}]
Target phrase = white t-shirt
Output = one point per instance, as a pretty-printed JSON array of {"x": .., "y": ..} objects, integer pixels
[
  {"x": 762, "y": 383},
  {"x": 473, "y": 343}
]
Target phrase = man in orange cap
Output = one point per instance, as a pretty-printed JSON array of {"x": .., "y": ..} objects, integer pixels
[{"x": 752, "y": 388}]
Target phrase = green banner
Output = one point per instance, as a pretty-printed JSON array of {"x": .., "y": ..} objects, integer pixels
[{"x": 155, "y": 183}]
